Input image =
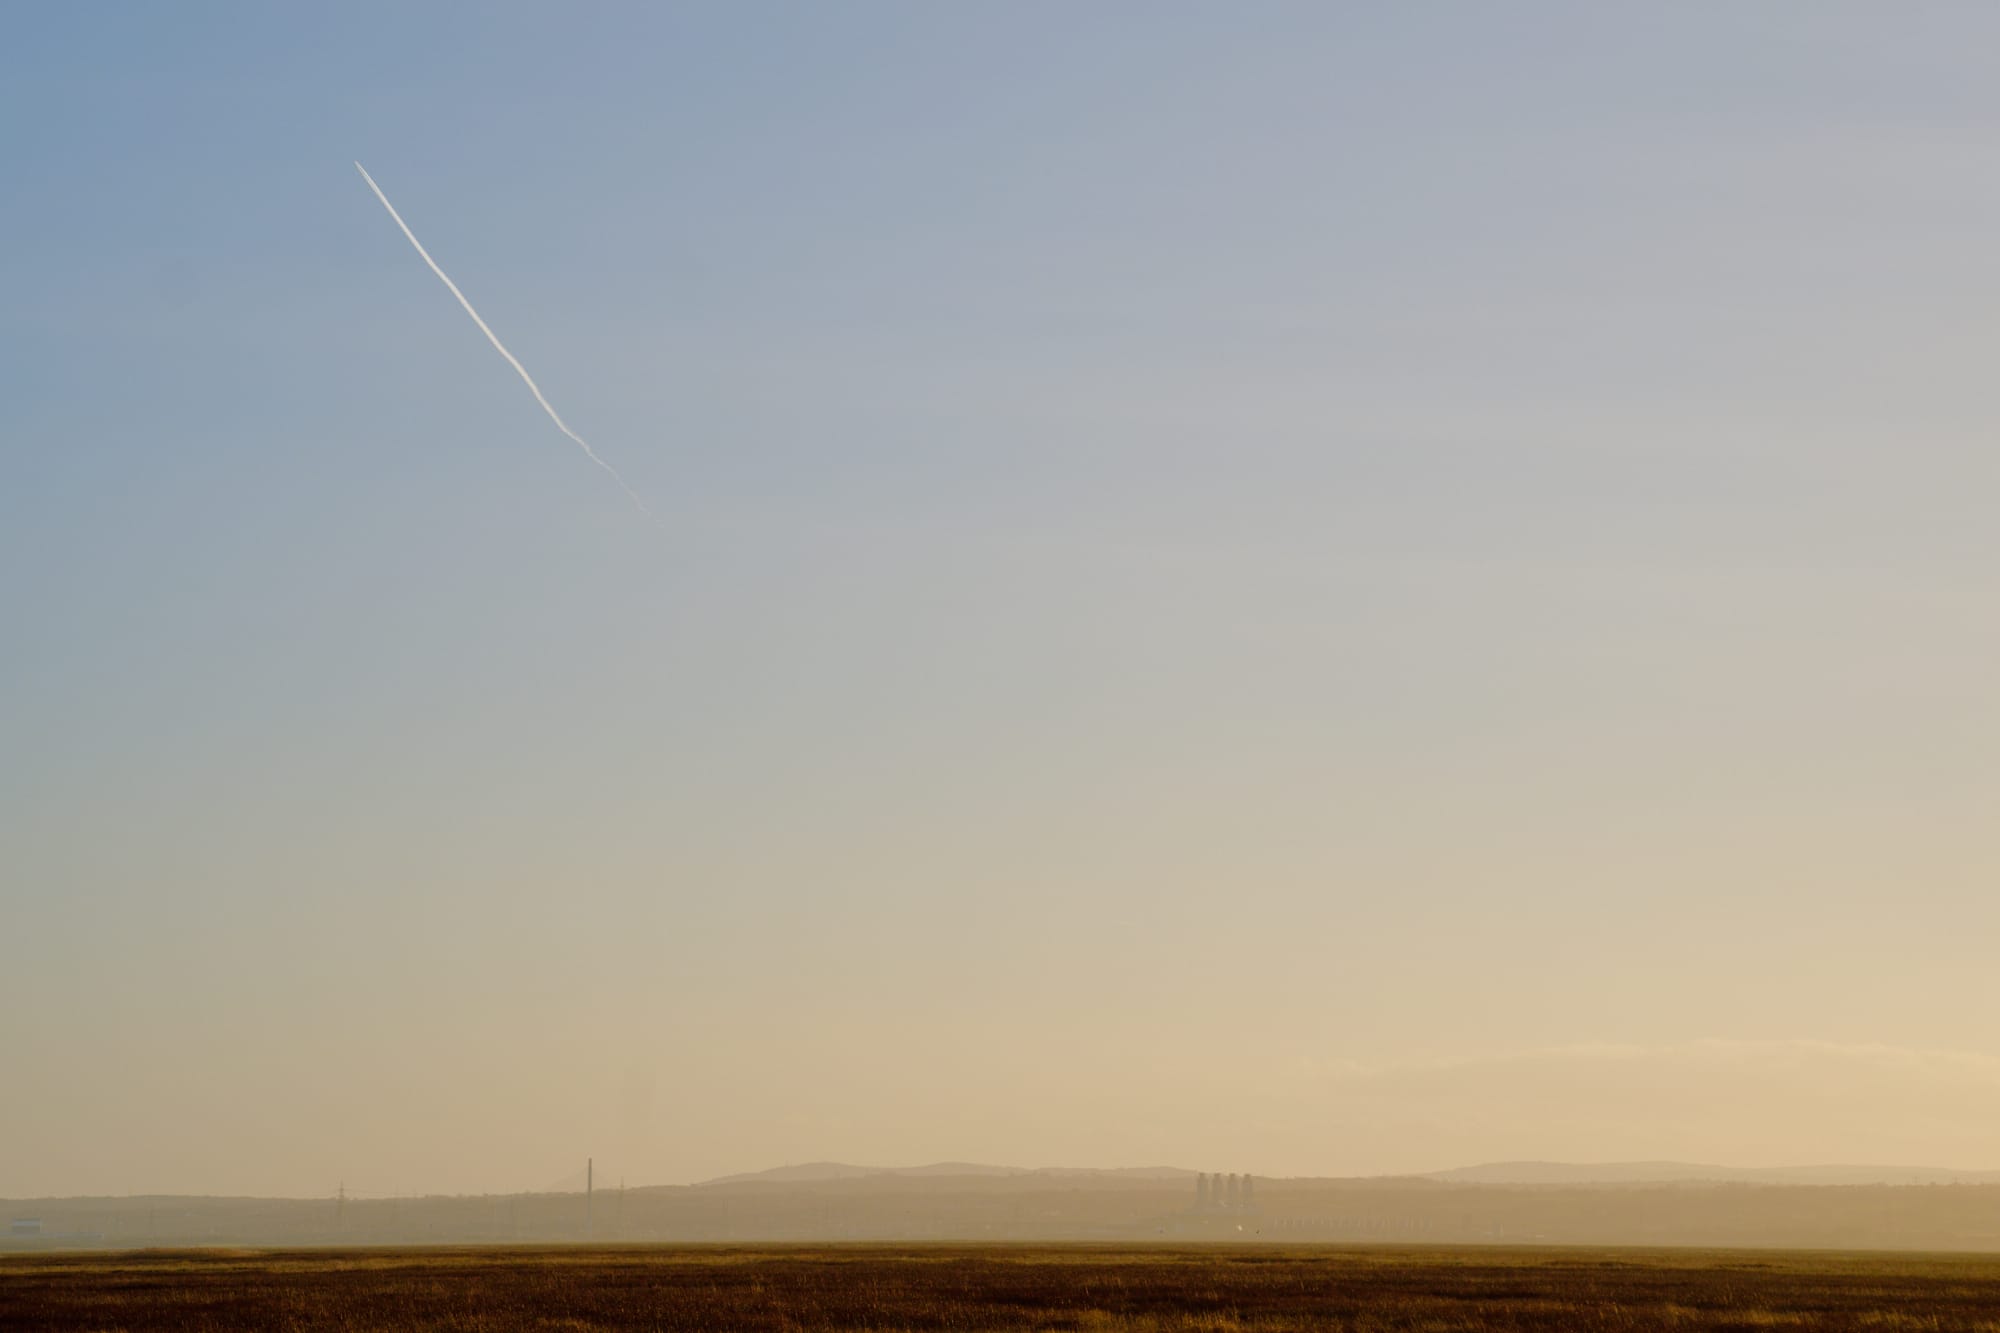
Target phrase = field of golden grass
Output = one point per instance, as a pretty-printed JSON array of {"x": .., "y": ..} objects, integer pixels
[{"x": 990, "y": 1287}]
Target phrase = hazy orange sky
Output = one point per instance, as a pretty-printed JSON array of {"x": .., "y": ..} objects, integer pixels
[{"x": 1286, "y": 588}]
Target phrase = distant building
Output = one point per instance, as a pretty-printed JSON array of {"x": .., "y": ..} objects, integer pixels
[
  {"x": 1216, "y": 1192},
  {"x": 25, "y": 1226}
]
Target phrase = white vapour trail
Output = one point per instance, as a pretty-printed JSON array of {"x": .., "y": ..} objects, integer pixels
[{"x": 501, "y": 347}]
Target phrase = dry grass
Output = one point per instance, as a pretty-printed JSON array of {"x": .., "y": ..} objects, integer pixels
[{"x": 946, "y": 1287}]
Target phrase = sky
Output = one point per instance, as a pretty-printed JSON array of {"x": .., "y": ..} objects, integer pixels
[{"x": 1295, "y": 588}]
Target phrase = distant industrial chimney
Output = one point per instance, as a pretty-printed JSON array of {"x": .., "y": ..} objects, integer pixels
[
  {"x": 1249, "y": 1195},
  {"x": 1201, "y": 1189},
  {"x": 1231, "y": 1189},
  {"x": 589, "y": 1191}
]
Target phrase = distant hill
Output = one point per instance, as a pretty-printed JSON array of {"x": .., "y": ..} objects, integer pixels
[
  {"x": 807, "y": 1172},
  {"x": 1660, "y": 1173},
  {"x": 1486, "y": 1173},
  {"x": 1530, "y": 1203}
]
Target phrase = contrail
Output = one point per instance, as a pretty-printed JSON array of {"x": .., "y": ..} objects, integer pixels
[{"x": 501, "y": 347}]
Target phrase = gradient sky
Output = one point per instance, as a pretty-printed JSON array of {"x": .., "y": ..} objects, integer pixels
[{"x": 1292, "y": 588}]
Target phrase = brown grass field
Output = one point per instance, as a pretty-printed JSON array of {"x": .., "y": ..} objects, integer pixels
[{"x": 991, "y": 1287}]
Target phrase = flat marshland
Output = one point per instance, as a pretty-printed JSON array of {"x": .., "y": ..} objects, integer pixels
[{"x": 993, "y": 1287}]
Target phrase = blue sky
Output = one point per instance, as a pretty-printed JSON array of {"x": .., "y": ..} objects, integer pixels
[{"x": 1481, "y": 515}]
